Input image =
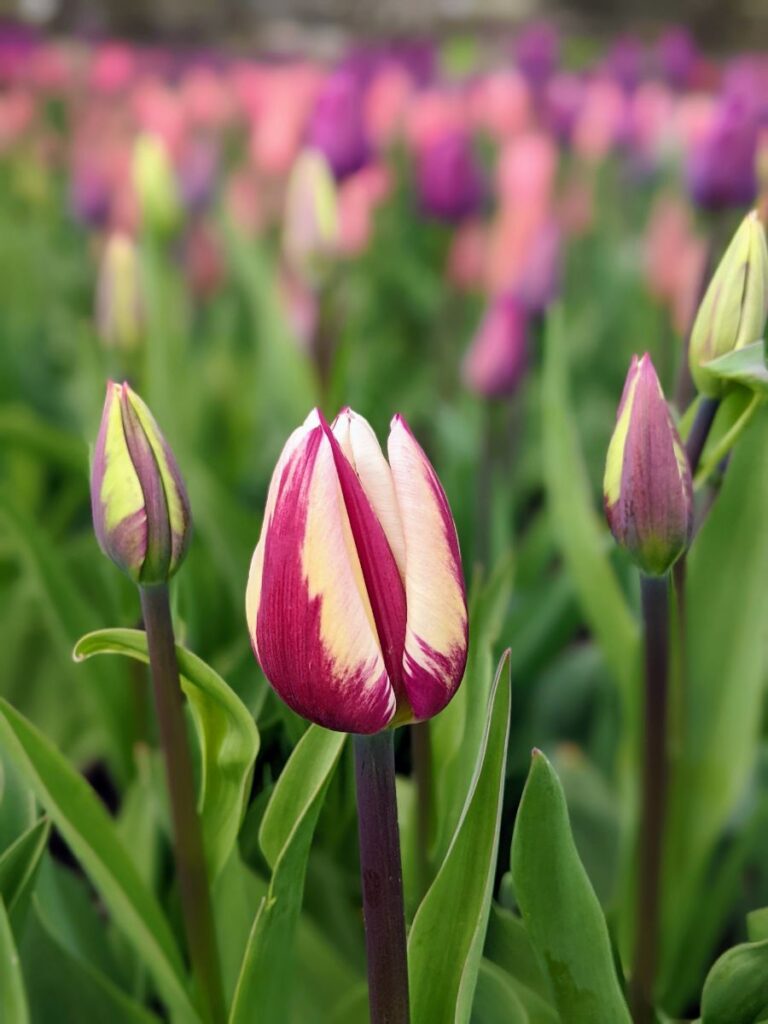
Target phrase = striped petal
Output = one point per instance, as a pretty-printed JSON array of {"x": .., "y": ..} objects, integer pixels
[
  {"x": 436, "y": 633},
  {"x": 308, "y": 611}
]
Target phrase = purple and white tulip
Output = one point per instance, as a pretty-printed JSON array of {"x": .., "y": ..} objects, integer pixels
[{"x": 355, "y": 602}]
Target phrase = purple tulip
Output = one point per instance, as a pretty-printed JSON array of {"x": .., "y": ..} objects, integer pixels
[
  {"x": 496, "y": 360},
  {"x": 537, "y": 51},
  {"x": 449, "y": 178},
  {"x": 721, "y": 168},
  {"x": 625, "y": 60},
  {"x": 90, "y": 195},
  {"x": 647, "y": 487},
  {"x": 676, "y": 56},
  {"x": 336, "y": 126}
]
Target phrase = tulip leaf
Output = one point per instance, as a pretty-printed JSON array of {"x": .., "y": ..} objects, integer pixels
[
  {"x": 458, "y": 902},
  {"x": 18, "y": 867},
  {"x": 746, "y": 366},
  {"x": 496, "y": 1001},
  {"x": 579, "y": 532},
  {"x": 561, "y": 913},
  {"x": 13, "y": 997},
  {"x": 90, "y": 833},
  {"x": 736, "y": 989},
  {"x": 264, "y": 989},
  {"x": 229, "y": 739},
  {"x": 725, "y": 598}
]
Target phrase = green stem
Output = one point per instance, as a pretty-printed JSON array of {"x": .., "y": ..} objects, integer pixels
[
  {"x": 655, "y": 600},
  {"x": 421, "y": 747},
  {"x": 726, "y": 442},
  {"x": 382, "y": 878},
  {"x": 187, "y": 832}
]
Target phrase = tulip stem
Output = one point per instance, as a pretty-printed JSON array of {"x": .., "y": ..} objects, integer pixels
[
  {"x": 702, "y": 424},
  {"x": 382, "y": 879},
  {"x": 727, "y": 441},
  {"x": 189, "y": 850},
  {"x": 655, "y": 601},
  {"x": 421, "y": 748}
]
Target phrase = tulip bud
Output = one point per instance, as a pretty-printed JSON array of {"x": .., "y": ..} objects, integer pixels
[
  {"x": 140, "y": 507},
  {"x": 119, "y": 305},
  {"x": 355, "y": 601},
  {"x": 497, "y": 358},
  {"x": 733, "y": 311},
  {"x": 156, "y": 187},
  {"x": 647, "y": 486},
  {"x": 311, "y": 216}
]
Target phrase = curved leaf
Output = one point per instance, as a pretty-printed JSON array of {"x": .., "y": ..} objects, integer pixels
[
  {"x": 495, "y": 1000},
  {"x": 561, "y": 912},
  {"x": 90, "y": 833},
  {"x": 458, "y": 901},
  {"x": 18, "y": 867},
  {"x": 229, "y": 739},
  {"x": 264, "y": 988},
  {"x": 13, "y": 998},
  {"x": 736, "y": 989},
  {"x": 746, "y": 366}
]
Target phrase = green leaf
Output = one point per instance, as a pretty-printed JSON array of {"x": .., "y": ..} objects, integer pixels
[
  {"x": 90, "y": 833},
  {"x": 68, "y": 616},
  {"x": 13, "y": 998},
  {"x": 496, "y": 1001},
  {"x": 458, "y": 902},
  {"x": 580, "y": 534},
  {"x": 736, "y": 989},
  {"x": 561, "y": 912},
  {"x": 727, "y": 605},
  {"x": 17, "y": 803},
  {"x": 21, "y": 427},
  {"x": 67, "y": 988},
  {"x": 229, "y": 739},
  {"x": 746, "y": 366},
  {"x": 18, "y": 867},
  {"x": 265, "y": 986},
  {"x": 508, "y": 945},
  {"x": 457, "y": 733}
]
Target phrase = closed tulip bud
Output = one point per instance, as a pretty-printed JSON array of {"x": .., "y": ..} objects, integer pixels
[
  {"x": 647, "y": 486},
  {"x": 355, "y": 600},
  {"x": 140, "y": 507},
  {"x": 155, "y": 183},
  {"x": 119, "y": 302},
  {"x": 311, "y": 217},
  {"x": 734, "y": 309}
]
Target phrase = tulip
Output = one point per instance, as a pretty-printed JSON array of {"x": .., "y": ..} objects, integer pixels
[
  {"x": 677, "y": 55},
  {"x": 355, "y": 600},
  {"x": 734, "y": 309},
  {"x": 155, "y": 183},
  {"x": 119, "y": 303},
  {"x": 721, "y": 166},
  {"x": 311, "y": 216},
  {"x": 497, "y": 358},
  {"x": 647, "y": 486},
  {"x": 140, "y": 507},
  {"x": 337, "y": 128},
  {"x": 449, "y": 179},
  {"x": 537, "y": 51}
]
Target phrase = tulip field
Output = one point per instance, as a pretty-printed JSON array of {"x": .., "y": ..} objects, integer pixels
[{"x": 383, "y": 531}]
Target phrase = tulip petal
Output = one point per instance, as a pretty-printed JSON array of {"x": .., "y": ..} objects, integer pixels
[
  {"x": 363, "y": 451},
  {"x": 383, "y": 583},
  {"x": 308, "y": 612},
  {"x": 436, "y": 633}
]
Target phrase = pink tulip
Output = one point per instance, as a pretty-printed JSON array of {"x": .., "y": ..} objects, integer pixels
[
  {"x": 526, "y": 171},
  {"x": 386, "y": 104},
  {"x": 359, "y": 198},
  {"x": 355, "y": 599},
  {"x": 500, "y": 104},
  {"x": 497, "y": 358},
  {"x": 467, "y": 255}
]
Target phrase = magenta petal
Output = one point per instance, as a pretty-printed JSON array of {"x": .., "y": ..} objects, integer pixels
[
  {"x": 307, "y": 659},
  {"x": 380, "y": 572}
]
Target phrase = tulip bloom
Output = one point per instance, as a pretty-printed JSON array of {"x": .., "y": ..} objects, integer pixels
[
  {"x": 647, "y": 486},
  {"x": 355, "y": 600},
  {"x": 140, "y": 507}
]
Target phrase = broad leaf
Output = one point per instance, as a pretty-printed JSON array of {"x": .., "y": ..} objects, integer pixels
[
  {"x": 13, "y": 998},
  {"x": 229, "y": 740},
  {"x": 727, "y": 605},
  {"x": 90, "y": 833},
  {"x": 453, "y": 915},
  {"x": 561, "y": 912},
  {"x": 265, "y": 987},
  {"x": 736, "y": 989},
  {"x": 496, "y": 1001}
]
